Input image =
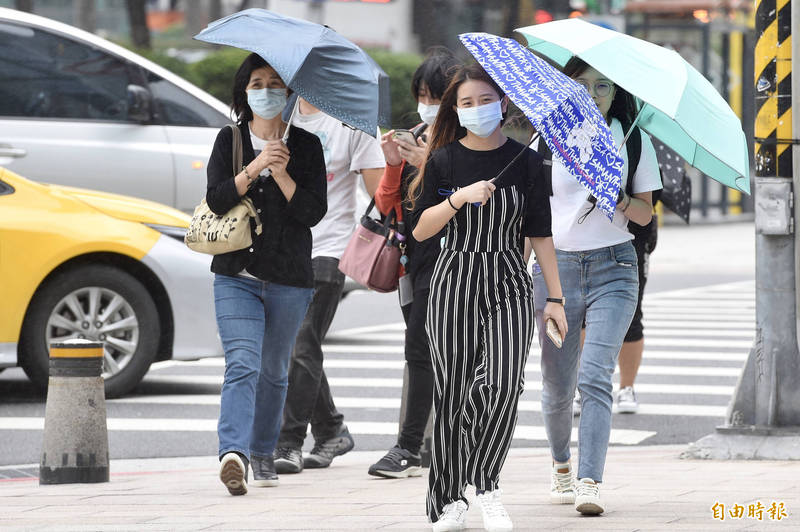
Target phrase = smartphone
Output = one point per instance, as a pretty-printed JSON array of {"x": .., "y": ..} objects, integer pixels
[
  {"x": 553, "y": 333},
  {"x": 406, "y": 136}
]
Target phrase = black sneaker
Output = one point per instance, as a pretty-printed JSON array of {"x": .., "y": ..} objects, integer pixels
[
  {"x": 398, "y": 463},
  {"x": 288, "y": 460},
  {"x": 323, "y": 453},
  {"x": 264, "y": 475},
  {"x": 233, "y": 473}
]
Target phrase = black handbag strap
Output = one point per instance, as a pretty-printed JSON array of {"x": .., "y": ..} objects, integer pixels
[{"x": 370, "y": 223}]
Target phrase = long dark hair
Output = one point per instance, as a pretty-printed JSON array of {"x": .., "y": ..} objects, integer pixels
[
  {"x": 623, "y": 106},
  {"x": 448, "y": 128},
  {"x": 435, "y": 72}
]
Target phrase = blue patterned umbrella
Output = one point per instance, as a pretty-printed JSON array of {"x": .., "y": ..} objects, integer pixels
[
  {"x": 328, "y": 71},
  {"x": 561, "y": 111}
]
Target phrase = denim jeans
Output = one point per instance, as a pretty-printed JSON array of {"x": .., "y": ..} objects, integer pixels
[
  {"x": 600, "y": 286},
  {"x": 309, "y": 399},
  {"x": 258, "y": 323}
]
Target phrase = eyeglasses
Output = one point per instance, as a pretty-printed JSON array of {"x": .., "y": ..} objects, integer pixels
[{"x": 601, "y": 88}]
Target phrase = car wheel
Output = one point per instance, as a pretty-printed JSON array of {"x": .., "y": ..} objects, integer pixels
[{"x": 99, "y": 303}]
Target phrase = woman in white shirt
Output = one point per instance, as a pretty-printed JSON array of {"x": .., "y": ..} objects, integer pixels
[{"x": 598, "y": 269}]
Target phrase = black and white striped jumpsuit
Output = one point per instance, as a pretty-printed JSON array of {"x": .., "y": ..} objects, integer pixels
[{"x": 480, "y": 327}]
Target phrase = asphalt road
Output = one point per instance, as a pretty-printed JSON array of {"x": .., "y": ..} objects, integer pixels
[{"x": 700, "y": 312}]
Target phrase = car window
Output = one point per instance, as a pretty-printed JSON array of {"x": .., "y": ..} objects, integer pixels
[
  {"x": 5, "y": 188},
  {"x": 179, "y": 108},
  {"x": 48, "y": 76}
]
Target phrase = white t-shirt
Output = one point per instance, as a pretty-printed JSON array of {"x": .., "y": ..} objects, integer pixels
[
  {"x": 347, "y": 152},
  {"x": 568, "y": 202}
]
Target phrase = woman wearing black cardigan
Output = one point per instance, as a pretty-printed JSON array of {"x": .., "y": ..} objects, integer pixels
[{"x": 261, "y": 293}]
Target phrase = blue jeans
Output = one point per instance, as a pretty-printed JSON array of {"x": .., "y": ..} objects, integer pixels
[
  {"x": 601, "y": 287},
  {"x": 258, "y": 323}
]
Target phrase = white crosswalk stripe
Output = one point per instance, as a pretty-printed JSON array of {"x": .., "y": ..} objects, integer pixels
[{"x": 696, "y": 341}]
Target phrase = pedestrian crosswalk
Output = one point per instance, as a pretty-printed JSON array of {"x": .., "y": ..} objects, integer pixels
[{"x": 696, "y": 342}]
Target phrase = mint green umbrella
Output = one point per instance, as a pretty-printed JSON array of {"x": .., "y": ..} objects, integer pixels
[{"x": 679, "y": 106}]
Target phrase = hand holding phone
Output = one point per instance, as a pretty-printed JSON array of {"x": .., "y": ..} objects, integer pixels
[
  {"x": 406, "y": 136},
  {"x": 553, "y": 333}
]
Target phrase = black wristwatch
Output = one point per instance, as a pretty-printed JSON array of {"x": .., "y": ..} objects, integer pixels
[{"x": 561, "y": 300}]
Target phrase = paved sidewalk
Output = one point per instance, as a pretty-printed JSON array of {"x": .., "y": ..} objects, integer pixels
[{"x": 646, "y": 488}]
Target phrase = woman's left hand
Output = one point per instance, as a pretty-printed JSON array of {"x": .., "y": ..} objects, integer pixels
[
  {"x": 390, "y": 149},
  {"x": 278, "y": 157},
  {"x": 556, "y": 312}
]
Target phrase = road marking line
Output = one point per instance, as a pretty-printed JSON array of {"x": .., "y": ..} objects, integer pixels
[
  {"x": 381, "y": 428},
  {"x": 658, "y": 307},
  {"x": 649, "y": 332},
  {"x": 690, "y": 342},
  {"x": 389, "y": 403},
  {"x": 535, "y": 385},
  {"x": 396, "y": 326},
  {"x": 532, "y": 367},
  {"x": 722, "y": 325}
]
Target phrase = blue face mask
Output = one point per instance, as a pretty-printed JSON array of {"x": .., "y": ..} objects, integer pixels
[
  {"x": 481, "y": 120},
  {"x": 266, "y": 103}
]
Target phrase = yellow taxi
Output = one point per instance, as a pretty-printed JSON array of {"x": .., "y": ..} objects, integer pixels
[{"x": 77, "y": 263}]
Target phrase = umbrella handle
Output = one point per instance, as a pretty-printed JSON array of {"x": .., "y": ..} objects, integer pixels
[
  {"x": 630, "y": 129},
  {"x": 291, "y": 116},
  {"x": 501, "y": 172}
]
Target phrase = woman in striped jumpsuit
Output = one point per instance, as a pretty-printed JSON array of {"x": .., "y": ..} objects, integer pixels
[{"x": 480, "y": 311}]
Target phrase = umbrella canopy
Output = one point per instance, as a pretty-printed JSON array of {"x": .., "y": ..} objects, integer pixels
[
  {"x": 328, "y": 71},
  {"x": 679, "y": 106},
  {"x": 561, "y": 111},
  {"x": 677, "y": 192}
]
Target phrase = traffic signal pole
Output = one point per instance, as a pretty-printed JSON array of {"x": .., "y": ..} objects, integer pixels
[{"x": 763, "y": 420}]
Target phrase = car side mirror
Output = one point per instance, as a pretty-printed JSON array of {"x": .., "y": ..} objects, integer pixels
[{"x": 139, "y": 104}]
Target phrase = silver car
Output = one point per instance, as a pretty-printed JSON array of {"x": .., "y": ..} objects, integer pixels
[{"x": 78, "y": 110}]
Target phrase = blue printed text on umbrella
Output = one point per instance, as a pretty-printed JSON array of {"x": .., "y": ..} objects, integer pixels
[{"x": 560, "y": 109}]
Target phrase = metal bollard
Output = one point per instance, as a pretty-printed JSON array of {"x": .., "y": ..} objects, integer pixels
[{"x": 75, "y": 446}]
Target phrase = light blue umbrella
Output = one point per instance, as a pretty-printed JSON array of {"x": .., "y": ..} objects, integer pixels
[
  {"x": 328, "y": 71},
  {"x": 561, "y": 111},
  {"x": 679, "y": 106}
]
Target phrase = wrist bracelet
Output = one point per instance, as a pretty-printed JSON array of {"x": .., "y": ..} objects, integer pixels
[
  {"x": 451, "y": 204},
  {"x": 247, "y": 174},
  {"x": 559, "y": 300}
]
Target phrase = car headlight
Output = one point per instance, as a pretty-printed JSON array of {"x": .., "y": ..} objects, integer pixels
[{"x": 169, "y": 230}]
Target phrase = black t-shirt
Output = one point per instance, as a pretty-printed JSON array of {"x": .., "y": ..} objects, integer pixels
[{"x": 456, "y": 166}]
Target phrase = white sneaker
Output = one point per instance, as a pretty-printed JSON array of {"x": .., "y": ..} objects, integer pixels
[
  {"x": 495, "y": 517},
  {"x": 453, "y": 517},
  {"x": 576, "y": 404},
  {"x": 562, "y": 484},
  {"x": 587, "y": 497},
  {"x": 626, "y": 401}
]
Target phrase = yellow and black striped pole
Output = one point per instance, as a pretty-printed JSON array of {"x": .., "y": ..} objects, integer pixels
[
  {"x": 771, "y": 383},
  {"x": 773, "y": 75},
  {"x": 763, "y": 419}
]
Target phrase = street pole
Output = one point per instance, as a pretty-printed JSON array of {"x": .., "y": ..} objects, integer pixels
[{"x": 763, "y": 420}]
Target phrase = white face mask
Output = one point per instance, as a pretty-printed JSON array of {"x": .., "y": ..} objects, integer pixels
[
  {"x": 427, "y": 112},
  {"x": 481, "y": 120},
  {"x": 266, "y": 103}
]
